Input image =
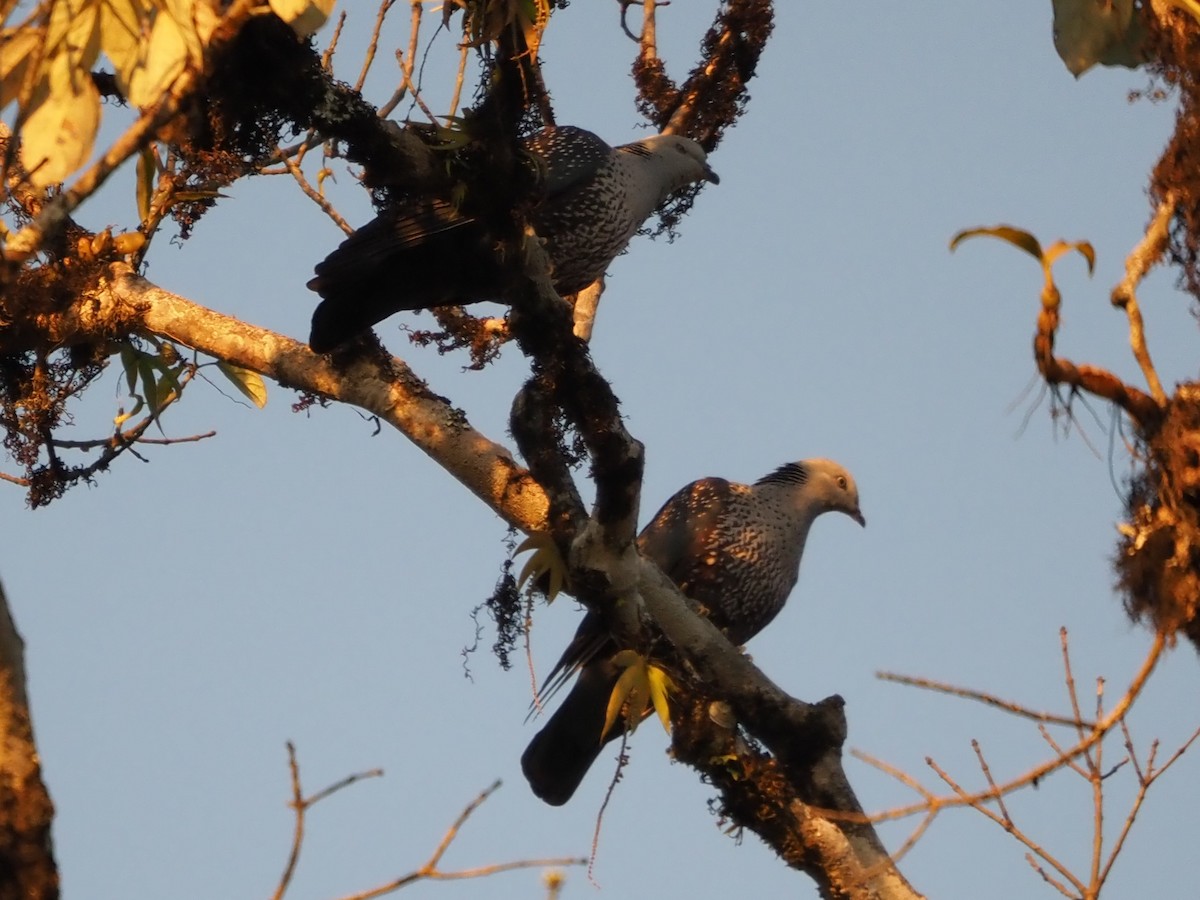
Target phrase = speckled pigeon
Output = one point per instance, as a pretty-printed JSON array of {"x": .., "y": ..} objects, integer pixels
[
  {"x": 732, "y": 548},
  {"x": 429, "y": 254}
]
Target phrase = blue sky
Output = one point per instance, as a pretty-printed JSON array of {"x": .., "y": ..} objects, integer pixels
[{"x": 301, "y": 578}]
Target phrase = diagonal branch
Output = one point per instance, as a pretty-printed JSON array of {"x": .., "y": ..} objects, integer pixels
[{"x": 125, "y": 301}]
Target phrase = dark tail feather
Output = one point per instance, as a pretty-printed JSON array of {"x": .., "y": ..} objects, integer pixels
[
  {"x": 347, "y": 311},
  {"x": 560, "y": 755},
  {"x": 428, "y": 256}
]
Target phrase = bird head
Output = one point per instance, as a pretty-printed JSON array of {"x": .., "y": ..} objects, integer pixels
[
  {"x": 823, "y": 486},
  {"x": 679, "y": 161}
]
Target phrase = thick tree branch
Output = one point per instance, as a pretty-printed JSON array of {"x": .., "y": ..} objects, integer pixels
[
  {"x": 125, "y": 301},
  {"x": 27, "y": 868},
  {"x": 798, "y": 799}
]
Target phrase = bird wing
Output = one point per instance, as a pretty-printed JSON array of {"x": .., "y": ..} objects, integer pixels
[
  {"x": 681, "y": 535},
  {"x": 389, "y": 235},
  {"x": 570, "y": 157}
]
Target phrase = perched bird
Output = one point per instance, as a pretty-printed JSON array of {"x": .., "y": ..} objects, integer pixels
[
  {"x": 428, "y": 254},
  {"x": 735, "y": 550}
]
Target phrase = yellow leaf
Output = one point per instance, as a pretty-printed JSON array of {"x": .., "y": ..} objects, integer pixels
[
  {"x": 1058, "y": 248},
  {"x": 58, "y": 132},
  {"x": 661, "y": 685},
  {"x": 121, "y": 23},
  {"x": 16, "y": 53},
  {"x": 1015, "y": 236},
  {"x": 546, "y": 560},
  {"x": 147, "y": 169},
  {"x": 164, "y": 57},
  {"x": 624, "y": 694},
  {"x": 639, "y": 688},
  {"x": 305, "y": 16},
  {"x": 249, "y": 383}
]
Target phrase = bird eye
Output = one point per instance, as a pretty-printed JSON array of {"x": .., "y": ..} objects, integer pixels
[{"x": 841, "y": 482}]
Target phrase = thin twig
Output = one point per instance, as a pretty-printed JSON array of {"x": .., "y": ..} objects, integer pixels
[
  {"x": 407, "y": 62},
  {"x": 369, "y": 57},
  {"x": 1072, "y": 765},
  {"x": 1009, "y": 706},
  {"x": 452, "y": 833},
  {"x": 1096, "y": 762},
  {"x": 1140, "y": 261},
  {"x": 315, "y": 196},
  {"x": 430, "y": 870},
  {"x": 987, "y": 774},
  {"x": 1069, "y": 679},
  {"x": 1099, "y": 730},
  {"x": 299, "y": 806},
  {"x": 1007, "y": 825},
  {"x": 327, "y": 56},
  {"x": 459, "y": 80},
  {"x": 1037, "y": 867},
  {"x": 108, "y": 441}
]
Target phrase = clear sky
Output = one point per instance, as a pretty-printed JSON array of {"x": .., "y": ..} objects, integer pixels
[{"x": 301, "y": 578}]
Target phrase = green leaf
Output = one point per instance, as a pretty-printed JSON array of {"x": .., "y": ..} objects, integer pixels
[
  {"x": 147, "y": 169},
  {"x": 249, "y": 383},
  {"x": 1015, "y": 236},
  {"x": 129, "y": 361},
  {"x": 146, "y": 368},
  {"x": 1058, "y": 248},
  {"x": 1087, "y": 32},
  {"x": 545, "y": 561}
]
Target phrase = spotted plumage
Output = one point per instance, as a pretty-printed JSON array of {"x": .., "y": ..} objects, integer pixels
[
  {"x": 732, "y": 548},
  {"x": 595, "y": 197}
]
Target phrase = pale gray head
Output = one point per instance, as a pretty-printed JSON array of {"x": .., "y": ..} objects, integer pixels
[
  {"x": 823, "y": 486},
  {"x": 674, "y": 161}
]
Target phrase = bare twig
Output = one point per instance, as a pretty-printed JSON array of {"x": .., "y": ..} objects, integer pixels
[
  {"x": 327, "y": 56},
  {"x": 1007, "y": 824},
  {"x": 431, "y": 871},
  {"x": 1010, "y": 706},
  {"x": 987, "y": 774},
  {"x": 300, "y": 804},
  {"x": 315, "y": 196},
  {"x": 407, "y": 61},
  {"x": 1069, "y": 679},
  {"x": 127, "y": 435},
  {"x": 1068, "y": 755},
  {"x": 1140, "y": 261},
  {"x": 369, "y": 57}
]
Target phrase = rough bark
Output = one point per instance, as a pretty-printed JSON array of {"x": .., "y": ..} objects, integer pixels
[{"x": 27, "y": 867}]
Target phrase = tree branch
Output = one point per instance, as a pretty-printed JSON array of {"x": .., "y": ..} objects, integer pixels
[
  {"x": 27, "y": 867},
  {"x": 798, "y": 799},
  {"x": 124, "y": 301}
]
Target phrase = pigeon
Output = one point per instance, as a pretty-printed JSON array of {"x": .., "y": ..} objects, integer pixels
[
  {"x": 428, "y": 253},
  {"x": 734, "y": 549}
]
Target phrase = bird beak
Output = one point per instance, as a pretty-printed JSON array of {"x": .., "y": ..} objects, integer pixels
[
  {"x": 859, "y": 518},
  {"x": 710, "y": 175}
]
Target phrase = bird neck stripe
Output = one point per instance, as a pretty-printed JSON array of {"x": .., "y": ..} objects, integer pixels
[
  {"x": 790, "y": 473},
  {"x": 638, "y": 149}
]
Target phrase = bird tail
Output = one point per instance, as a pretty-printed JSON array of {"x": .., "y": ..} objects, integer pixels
[
  {"x": 427, "y": 255},
  {"x": 560, "y": 755}
]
